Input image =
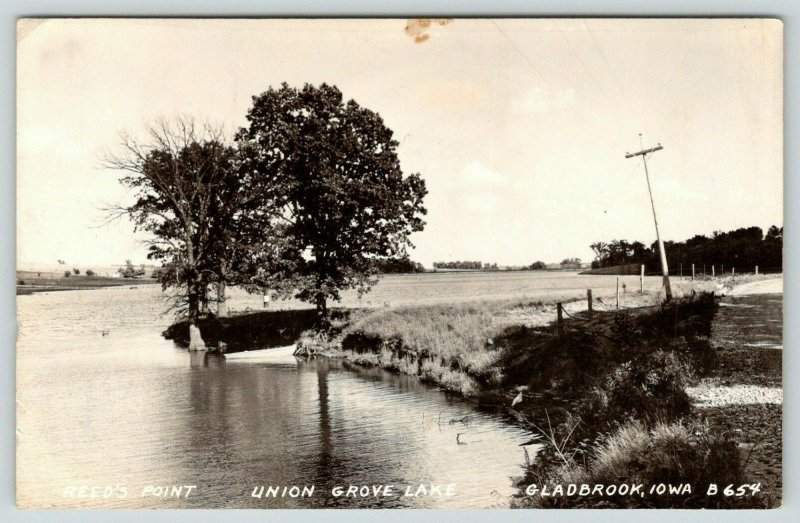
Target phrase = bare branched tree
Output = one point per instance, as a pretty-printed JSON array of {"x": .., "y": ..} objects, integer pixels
[{"x": 185, "y": 182}]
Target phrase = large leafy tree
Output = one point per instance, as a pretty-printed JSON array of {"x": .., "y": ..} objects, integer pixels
[{"x": 328, "y": 172}]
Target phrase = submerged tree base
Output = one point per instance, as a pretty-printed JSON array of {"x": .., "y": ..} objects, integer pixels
[{"x": 195, "y": 339}]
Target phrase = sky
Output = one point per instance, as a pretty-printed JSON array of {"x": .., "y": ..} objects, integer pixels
[{"x": 518, "y": 126}]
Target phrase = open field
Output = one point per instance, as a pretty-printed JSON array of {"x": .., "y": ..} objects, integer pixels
[
  {"x": 455, "y": 287},
  {"x": 408, "y": 290}
]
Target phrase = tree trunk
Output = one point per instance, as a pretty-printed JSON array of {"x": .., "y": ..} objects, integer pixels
[
  {"x": 195, "y": 339},
  {"x": 322, "y": 312},
  {"x": 202, "y": 295},
  {"x": 222, "y": 305}
]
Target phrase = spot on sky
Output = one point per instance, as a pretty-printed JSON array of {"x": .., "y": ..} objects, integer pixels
[{"x": 417, "y": 28}]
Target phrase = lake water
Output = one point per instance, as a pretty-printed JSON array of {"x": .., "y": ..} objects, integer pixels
[{"x": 128, "y": 410}]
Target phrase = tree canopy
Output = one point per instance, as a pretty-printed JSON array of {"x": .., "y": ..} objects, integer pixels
[
  {"x": 185, "y": 186},
  {"x": 398, "y": 265},
  {"x": 308, "y": 200},
  {"x": 742, "y": 248},
  {"x": 329, "y": 171}
]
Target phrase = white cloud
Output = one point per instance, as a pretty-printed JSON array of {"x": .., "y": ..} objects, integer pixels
[
  {"x": 477, "y": 174},
  {"x": 481, "y": 189},
  {"x": 536, "y": 100},
  {"x": 565, "y": 97},
  {"x": 540, "y": 100}
]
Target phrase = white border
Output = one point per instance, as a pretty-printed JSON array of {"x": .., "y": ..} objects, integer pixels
[{"x": 10, "y": 10}]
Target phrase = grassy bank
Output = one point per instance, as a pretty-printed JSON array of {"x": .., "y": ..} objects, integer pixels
[
  {"x": 606, "y": 398},
  {"x": 460, "y": 345},
  {"x": 452, "y": 346},
  {"x": 465, "y": 347},
  {"x": 631, "y": 420}
]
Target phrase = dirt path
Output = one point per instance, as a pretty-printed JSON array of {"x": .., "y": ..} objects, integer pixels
[
  {"x": 770, "y": 286},
  {"x": 748, "y": 336},
  {"x": 744, "y": 394}
]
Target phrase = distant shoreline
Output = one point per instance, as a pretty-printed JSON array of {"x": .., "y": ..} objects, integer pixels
[{"x": 27, "y": 285}]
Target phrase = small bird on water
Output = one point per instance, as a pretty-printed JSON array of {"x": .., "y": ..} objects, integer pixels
[{"x": 518, "y": 399}]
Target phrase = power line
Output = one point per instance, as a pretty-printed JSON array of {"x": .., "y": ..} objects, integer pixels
[
  {"x": 605, "y": 60},
  {"x": 524, "y": 57},
  {"x": 578, "y": 58}
]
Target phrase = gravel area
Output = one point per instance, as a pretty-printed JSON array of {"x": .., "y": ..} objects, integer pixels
[
  {"x": 744, "y": 394},
  {"x": 707, "y": 395},
  {"x": 748, "y": 335}
]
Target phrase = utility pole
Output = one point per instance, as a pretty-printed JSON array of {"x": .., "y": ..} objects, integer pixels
[{"x": 664, "y": 269}]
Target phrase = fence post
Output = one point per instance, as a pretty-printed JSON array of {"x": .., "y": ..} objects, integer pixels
[
  {"x": 693, "y": 272},
  {"x": 733, "y": 271},
  {"x": 618, "y": 292},
  {"x": 560, "y": 319},
  {"x": 641, "y": 280},
  {"x": 589, "y": 301},
  {"x": 713, "y": 274},
  {"x": 756, "y": 270}
]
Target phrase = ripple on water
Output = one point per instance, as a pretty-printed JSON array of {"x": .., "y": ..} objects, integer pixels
[{"x": 131, "y": 409}]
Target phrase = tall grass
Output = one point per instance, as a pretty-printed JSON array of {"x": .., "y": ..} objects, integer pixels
[
  {"x": 449, "y": 344},
  {"x": 668, "y": 453}
]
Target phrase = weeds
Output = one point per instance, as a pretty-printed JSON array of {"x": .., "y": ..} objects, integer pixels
[
  {"x": 666, "y": 453},
  {"x": 451, "y": 346}
]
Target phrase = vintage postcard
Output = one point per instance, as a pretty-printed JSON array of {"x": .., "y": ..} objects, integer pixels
[{"x": 399, "y": 263}]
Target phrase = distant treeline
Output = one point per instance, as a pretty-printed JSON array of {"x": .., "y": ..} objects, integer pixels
[
  {"x": 466, "y": 265},
  {"x": 742, "y": 249},
  {"x": 566, "y": 263},
  {"x": 401, "y": 265}
]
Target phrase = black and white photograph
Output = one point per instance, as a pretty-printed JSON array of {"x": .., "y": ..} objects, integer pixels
[{"x": 406, "y": 263}]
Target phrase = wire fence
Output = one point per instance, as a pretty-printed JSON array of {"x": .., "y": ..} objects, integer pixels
[
  {"x": 685, "y": 270},
  {"x": 708, "y": 271}
]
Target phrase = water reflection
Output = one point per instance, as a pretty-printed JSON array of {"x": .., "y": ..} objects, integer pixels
[
  {"x": 325, "y": 464},
  {"x": 130, "y": 409}
]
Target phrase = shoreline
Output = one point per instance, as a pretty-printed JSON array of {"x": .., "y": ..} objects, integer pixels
[
  {"x": 723, "y": 423},
  {"x": 492, "y": 351},
  {"x": 76, "y": 283},
  {"x": 387, "y": 345}
]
